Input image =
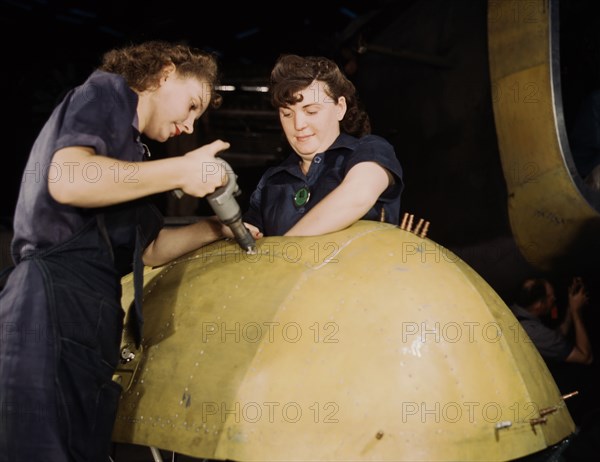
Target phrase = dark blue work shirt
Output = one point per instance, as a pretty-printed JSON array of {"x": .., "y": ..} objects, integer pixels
[
  {"x": 549, "y": 342},
  {"x": 272, "y": 206},
  {"x": 100, "y": 114}
]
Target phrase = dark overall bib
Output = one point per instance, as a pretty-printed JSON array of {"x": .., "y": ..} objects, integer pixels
[{"x": 61, "y": 317}]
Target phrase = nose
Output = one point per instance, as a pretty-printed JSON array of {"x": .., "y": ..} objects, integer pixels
[
  {"x": 188, "y": 125},
  {"x": 299, "y": 121}
]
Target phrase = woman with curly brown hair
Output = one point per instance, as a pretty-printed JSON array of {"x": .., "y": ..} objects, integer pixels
[
  {"x": 338, "y": 173},
  {"x": 83, "y": 220}
]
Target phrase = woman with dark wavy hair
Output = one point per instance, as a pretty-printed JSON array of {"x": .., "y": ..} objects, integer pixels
[
  {"x": 82, "y": 221},
  {"x": 338, "y": 173}
]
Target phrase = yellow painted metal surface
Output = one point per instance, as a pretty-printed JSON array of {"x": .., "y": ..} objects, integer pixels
[
  {"x": 366, "y": 344},
  {"x": 549, "y": 217}
]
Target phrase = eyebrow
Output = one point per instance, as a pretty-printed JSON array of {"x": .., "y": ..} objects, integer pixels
[
  {"x": 301, "y": 107},
  {"x": 201, "y": 100},
  {"x": 201, "y": 107}
]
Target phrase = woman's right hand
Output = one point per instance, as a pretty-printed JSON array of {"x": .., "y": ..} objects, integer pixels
[{"x": 203, "y": 172}]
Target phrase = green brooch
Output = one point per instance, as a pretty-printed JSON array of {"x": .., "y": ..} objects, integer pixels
[{"x": 301, "y": 197}]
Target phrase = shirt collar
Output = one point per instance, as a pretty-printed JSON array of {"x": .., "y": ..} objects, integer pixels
[
  {"x": 343, "y": 141},
  {"x": 520, "y": 311},
  {"x": 290, "y": 164}
]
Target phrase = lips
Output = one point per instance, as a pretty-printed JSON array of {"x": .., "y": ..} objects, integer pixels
[
  {"x": 302, "y": 138},
  {"x": 177, "y": 131}
]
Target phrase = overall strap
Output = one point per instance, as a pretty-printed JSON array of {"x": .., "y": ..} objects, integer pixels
[
  {"x": 101, "y": 222},
  {"x": 136, "y": 319},
  {"x": 136, "y": 315}
]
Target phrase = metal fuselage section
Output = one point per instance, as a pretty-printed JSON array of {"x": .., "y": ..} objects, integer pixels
[
  {"x": 551, "y": 210},
  {"x": 371, "y": 343}
]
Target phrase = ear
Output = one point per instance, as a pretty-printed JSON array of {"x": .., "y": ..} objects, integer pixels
[
  {"x": 341, "y": 108},
  {"x": 167, "y": 72}
]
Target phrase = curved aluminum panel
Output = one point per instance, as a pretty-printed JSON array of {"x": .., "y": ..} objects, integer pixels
[
  {"x": 371, "y": 343},
  {"x": 554, "y": 225}
]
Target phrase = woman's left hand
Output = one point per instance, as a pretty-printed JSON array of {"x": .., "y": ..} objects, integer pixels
[{"x": 254, "y": 231}]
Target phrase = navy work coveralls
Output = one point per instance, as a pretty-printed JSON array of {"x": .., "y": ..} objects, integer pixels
[{"x": 60, "y": 310}]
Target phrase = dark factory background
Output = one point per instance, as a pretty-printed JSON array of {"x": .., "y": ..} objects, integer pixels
[{"x": 420, "y": 66}]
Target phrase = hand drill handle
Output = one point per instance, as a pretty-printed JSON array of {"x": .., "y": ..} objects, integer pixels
[{"x": 228, "y": 211}]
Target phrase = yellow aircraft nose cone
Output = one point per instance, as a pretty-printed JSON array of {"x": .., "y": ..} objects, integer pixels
[{"x": 366, "y": 344}]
